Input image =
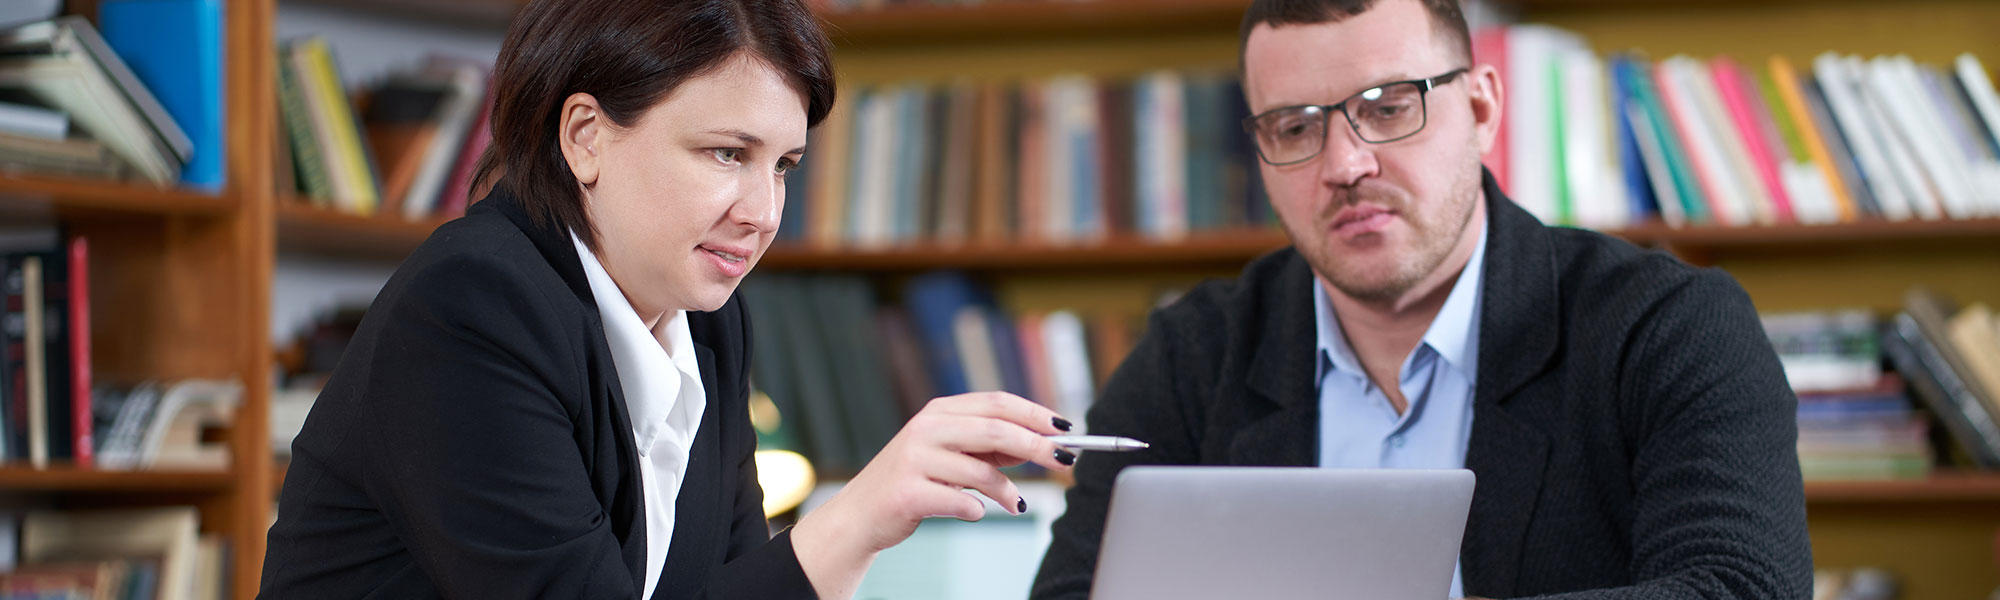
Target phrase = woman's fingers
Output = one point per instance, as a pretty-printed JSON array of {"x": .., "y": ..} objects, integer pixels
[
  {"x": 960, "y": 471},
  {"x": 1004, "y": 406},
  {"x": 944, "y": 500},
  {"x": 978, "y": 435}
]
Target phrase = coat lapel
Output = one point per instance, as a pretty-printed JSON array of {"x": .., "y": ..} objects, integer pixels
[
  {"x": 615, "y": 483},
  {"x": 1519, "y": 333},
  {"x": 1282, "y": 412}
]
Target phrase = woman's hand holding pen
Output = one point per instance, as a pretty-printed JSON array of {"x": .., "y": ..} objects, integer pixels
[{"x": 955, "y": 443}]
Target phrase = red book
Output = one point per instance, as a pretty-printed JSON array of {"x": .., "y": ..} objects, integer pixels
[
  {"x": 458, "y": 192},
  {"x": 79, "y": 349}
]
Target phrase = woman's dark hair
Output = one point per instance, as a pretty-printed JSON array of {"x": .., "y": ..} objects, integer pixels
[{"x": 629, "y": 54}]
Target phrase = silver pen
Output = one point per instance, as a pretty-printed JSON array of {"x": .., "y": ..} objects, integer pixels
[{"x": 1101, "y": 443}]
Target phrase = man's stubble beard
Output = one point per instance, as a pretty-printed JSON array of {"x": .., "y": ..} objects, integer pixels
[{"x": 1435, "y": 239}]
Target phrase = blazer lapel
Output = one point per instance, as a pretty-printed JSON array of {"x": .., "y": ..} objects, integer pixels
[
  {"x": 700, "y": 497},
  {"x": 1519, "y": 333},
  {"x": 616, "y": 483},
  {"x": 1283, "y": 412}
]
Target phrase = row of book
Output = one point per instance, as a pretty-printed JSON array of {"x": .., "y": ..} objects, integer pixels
[
  {"x": 114, "y": 554},
  {"x": 1608, "y": 142},
  {"x": 1064, "y": 159},
  {"x": 403, "y": 148},
  {"x": 52, "y": 407},
  {"x": 140, "y": 100},
  {"x": 845, "y": 370}
]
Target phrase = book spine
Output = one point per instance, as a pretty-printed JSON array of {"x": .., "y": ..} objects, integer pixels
[{"x": 79, "y": 349}]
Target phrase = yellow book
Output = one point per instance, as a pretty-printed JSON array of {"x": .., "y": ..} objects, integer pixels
[
  {"x": 1786, "y": 80},
  {"x": 1972, "y": 335},
  {"x": 340, "y": 118}
]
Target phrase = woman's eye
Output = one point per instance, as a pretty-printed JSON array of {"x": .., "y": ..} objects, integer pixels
[
  {"x": 785, "y": 165},
  {"x": 728, "y": 156}
]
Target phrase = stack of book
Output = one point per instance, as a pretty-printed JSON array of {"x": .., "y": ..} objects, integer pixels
[
  {"x": 1061, "y": 160},
  {"x": 1952, "y": 359},
  {"x": 1610, "y": 142},
  {"x": 404, "y": 149},
  {"x": 45, "y": 376},
  {"x": 70, "y": 106},
  {"x": 845, "y": 372},
  {"x": 1855, "y": 422},
  {"x": 135, "y": 553}
]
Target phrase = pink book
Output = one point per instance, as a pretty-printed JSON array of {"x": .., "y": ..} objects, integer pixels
[
  {"x": 1489, "y": 47},
  {"x": 1677, "y": 106},
  {"x": 1729, "y": 82}
]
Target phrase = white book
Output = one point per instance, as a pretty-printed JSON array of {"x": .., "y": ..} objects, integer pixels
[
  {"x": 1595, "y": 179},
  {"x": 875, "y": 203},
  {"x": 1962, "y": 128},
  {"x": 1061, "y": 106},
  {"x": 976, "y": 352},
  {"x": 172, "y": 435},
  {"x": 1704, "y": 150},
  {"x": 70, "y": 82},
  {"x": 35, "y": 345},
  {"x": 1740, "y": 171},
  {"x": 1862, "y": 138},
  {"x": 1068, "y": 359},
  {"x": 73, "y": 37},
  {"x": 1897, "y": 144},
  {"x": 1163, "y": 156},
  {"x": 1657, "y": 172},
  {"x": 1979, "y": 87},
  {"x": 33, "y": 121},
  {"x": 1909, "y": 112},
  {"x": 1531, "y": 143}
]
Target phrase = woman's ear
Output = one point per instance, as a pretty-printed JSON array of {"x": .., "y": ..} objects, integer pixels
[{"x": 579, "y": 127}]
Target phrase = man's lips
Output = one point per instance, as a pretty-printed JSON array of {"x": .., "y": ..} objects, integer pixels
[{"x": 1360, "y": 219}]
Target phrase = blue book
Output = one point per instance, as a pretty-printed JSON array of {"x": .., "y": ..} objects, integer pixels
[
  {"x": 933, "y": 300},
  {"x": 1638, "y": 186},
  {"x": 175, "y": 48}
]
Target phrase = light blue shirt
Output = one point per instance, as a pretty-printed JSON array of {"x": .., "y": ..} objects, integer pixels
[{"x": 1359, "y": 428}]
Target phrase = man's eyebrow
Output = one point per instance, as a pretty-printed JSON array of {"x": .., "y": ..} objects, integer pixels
[{"x": 750, "y": 139}]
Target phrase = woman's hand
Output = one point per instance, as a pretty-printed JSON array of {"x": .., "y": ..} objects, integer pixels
[{"x": 955, "y": 443}]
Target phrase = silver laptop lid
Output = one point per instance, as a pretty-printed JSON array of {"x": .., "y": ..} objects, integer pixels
[{"x": 1282, "y": 532}]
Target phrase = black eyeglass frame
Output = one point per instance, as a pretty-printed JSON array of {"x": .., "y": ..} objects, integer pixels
[{"x": 1424, "y": 87}]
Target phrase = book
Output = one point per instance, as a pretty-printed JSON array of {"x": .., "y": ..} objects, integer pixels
[
  {"x": 31, "y": 121},
  {"x": 168, "y": 537},
  {"x": 1793, "y": 111},
  {"x": 175, "y": 48},
  {"x": 74, "y": 37},
  {"x": 60, "y": 65},
  {"x": 455, "y": 119}
]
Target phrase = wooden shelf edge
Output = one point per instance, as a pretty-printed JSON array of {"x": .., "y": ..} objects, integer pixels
[
  {"x": 1001, "y": 19},
  {"x": 61, "y": 478},
  {"x": 66, "y": 195},
  {"x": 305, "y": 228},
  {"x": 1232, "y": 248},
  {"x": 1949, "y": 486}
]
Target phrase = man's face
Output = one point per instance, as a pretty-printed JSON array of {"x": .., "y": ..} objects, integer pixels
[{"x": 1374, "y": 220}]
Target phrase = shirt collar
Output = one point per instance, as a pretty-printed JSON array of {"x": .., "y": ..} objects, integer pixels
[
  {"x": 1453, "y": 334},
  {"x": 653, "y": 365}
]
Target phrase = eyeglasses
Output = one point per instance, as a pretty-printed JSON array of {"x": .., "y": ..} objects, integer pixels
[{"x": 1379, "y": 115}]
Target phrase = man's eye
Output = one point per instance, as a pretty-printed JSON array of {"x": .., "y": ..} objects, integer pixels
[{"x": 727, "y": 156}]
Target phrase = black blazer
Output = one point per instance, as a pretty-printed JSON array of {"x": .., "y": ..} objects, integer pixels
[
  {"x": 1632, "y": 430},
  {"x": 474, "y": 443}
]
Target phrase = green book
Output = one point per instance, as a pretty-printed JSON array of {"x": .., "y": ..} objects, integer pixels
[{"x": 306, "y": 160}]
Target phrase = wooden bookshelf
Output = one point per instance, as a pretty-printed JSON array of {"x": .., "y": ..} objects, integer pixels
[
  {"x": 60, "y": 478},
  {"x": 26, "y": 195},
  {"x": 1941, "y": 487},
  {"x": 305, "y": 228}
]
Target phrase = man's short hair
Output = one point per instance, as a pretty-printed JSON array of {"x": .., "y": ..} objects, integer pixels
[{"x": 1445, "y": 16}]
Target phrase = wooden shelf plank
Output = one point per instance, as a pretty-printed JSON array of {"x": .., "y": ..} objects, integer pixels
[
  {"x": 1712, "y": 237},
  {"x": 25, "y": 194},
  {"x": 1947, "y": 486},
  {"x": 304, "y": 228},
  {"x": 64, "y": 479},
  {"x": 1022, "y": 19},
  {"x": 1226, "y": 248}
]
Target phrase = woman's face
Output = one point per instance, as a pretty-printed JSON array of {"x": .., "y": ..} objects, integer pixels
[{"x": 687, "y": 199}]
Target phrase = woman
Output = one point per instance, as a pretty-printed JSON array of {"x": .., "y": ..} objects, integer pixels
[{"x": 548, "y": 399}]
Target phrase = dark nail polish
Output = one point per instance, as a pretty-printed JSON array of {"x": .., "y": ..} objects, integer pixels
[
  {"x": 1061, "y": 423},
  {"x": 1065, "y": 457},
  {"x": 1020, "y": 504}
]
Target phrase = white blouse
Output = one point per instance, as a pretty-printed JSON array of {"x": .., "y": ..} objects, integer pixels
[{"x": 663, "y": 393}]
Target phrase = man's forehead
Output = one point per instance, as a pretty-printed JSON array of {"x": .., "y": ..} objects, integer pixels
[{"x": 1325, "y": 62}]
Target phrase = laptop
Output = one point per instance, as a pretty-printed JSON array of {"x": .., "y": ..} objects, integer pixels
[{"x": 1282, "y": 532}]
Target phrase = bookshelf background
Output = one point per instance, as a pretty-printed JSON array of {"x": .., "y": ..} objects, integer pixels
[{"x": 182, "y": 284}]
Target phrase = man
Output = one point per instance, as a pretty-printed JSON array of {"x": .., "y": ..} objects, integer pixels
[{"x": 1630, "y": 427}]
